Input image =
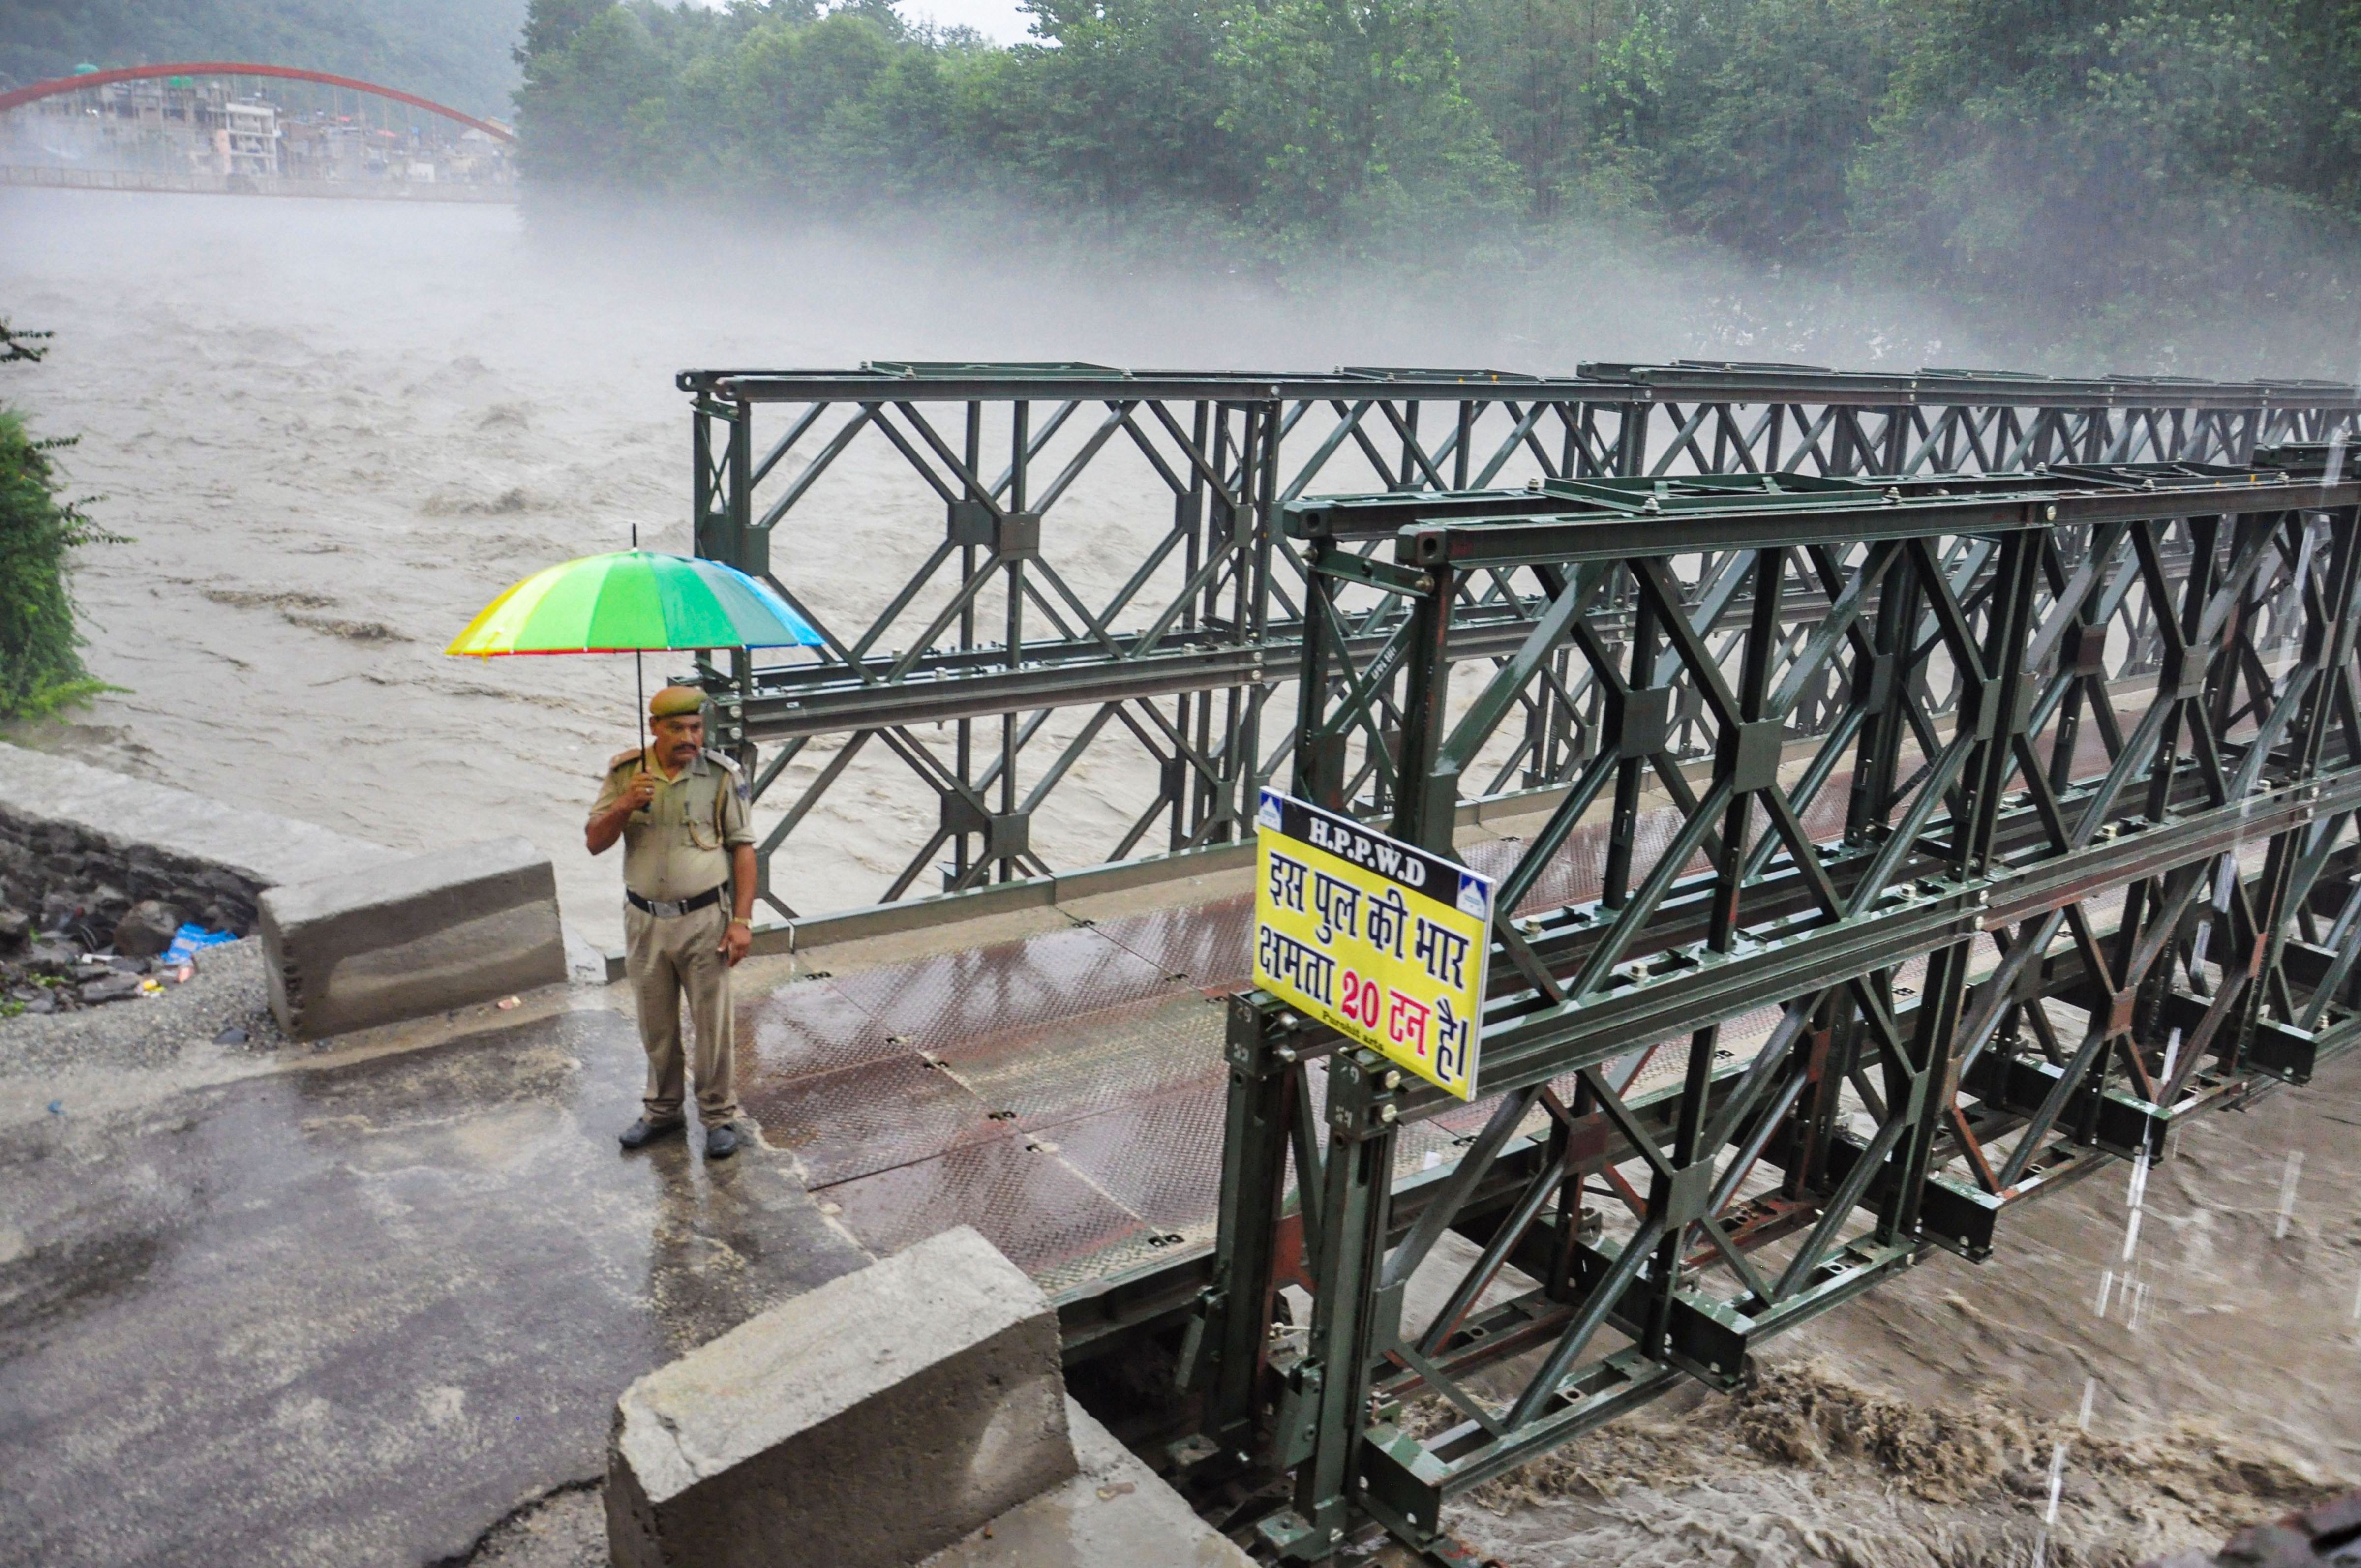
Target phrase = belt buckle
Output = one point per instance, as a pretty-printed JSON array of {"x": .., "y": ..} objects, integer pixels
[{"x": 670, "y": 908}]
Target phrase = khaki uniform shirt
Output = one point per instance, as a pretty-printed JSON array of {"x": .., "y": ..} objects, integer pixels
[{"x": 679, "y": 845}]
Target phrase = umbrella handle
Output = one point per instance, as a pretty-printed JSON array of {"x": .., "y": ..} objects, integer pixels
[{"x": 640, "y": 681}]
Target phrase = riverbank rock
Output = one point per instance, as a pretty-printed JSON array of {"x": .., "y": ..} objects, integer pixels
[
  {"x": 13, "y": 925},
  {"x": 51, "y": 957},
  {"x": 146, "y": 929},
  {"x": 109, "y": 988}
]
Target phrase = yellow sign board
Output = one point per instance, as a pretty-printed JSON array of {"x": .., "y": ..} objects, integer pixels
[{"x": 1381, "y": 941}]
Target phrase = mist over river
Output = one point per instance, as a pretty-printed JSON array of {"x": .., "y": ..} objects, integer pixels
[{"x": 337, "y": 428}]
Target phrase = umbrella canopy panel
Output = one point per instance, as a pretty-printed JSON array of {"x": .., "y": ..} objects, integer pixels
[{"x": 634, "y": 600}]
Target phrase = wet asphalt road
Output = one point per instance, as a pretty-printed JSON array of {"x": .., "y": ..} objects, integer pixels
[{"x": 356, "y": 1315}]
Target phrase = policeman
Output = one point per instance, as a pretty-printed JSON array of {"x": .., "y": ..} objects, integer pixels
[{"x": 688, "y": 882}]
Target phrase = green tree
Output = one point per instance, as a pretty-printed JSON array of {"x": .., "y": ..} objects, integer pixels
[
  {"x": 2125, "y": 169},
  {"x": 1353, "y": 111},
  {"x": 41, "y": 660},
  {"x": 2089, "y": 173},
  {"x": 1778, "y": 101}
]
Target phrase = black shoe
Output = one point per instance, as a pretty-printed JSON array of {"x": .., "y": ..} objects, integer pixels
[
  {"x": 721, "y": 1142},
  {"x": 643, "y": 1131}
]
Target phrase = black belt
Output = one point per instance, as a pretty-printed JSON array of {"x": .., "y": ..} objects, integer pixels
[{"x": 670, "y": 907}]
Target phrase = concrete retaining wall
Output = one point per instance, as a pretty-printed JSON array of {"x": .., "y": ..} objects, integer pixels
[
  {"x": 411, "y": 937},
  {"x": 865, "y": 1424},
  {"x": 69, "y": 827}
]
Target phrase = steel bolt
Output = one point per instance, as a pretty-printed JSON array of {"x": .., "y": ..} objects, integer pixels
[
  {"x": 1388, "y": 1115},
  {"x": 1393, "y": 1080}
]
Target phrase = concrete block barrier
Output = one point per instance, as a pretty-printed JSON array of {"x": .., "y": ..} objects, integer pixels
[
  {"x": 413, "y": 938},
  {"x": 865, "y": 1424}
]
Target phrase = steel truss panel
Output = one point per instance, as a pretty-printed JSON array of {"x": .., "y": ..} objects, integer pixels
[
  {"x": 995, "y": 674},
  {"x": 2063, "y": 911}
]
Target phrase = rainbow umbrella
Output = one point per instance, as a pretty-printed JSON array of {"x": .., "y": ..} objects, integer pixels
[{"x": 630, "y": 602}]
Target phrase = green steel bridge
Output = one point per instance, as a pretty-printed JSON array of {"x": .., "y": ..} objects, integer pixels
[{"x": 1945, "y": 785}]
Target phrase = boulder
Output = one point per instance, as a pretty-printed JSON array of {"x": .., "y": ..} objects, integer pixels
[
  {"x": 146, "y": 929},
  {"x": 13, "y": 925}
]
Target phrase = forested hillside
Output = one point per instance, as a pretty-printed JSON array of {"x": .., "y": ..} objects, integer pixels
[
  {"x": 455, "y": 51},
  {"x": 2096, "y": 167}
]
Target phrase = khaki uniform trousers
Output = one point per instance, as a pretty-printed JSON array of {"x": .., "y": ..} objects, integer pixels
[{"x": 665, "y": 956}]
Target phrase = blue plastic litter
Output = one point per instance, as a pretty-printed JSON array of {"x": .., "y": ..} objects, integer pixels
[{"x": 188, "y": 939}]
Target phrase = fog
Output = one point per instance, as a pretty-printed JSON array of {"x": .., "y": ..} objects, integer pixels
[{"x": 334, "y": 429}]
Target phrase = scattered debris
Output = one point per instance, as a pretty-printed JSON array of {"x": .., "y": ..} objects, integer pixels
[
  {"x": 189, "y": 939},
  {"x": 57, "y": 971}
]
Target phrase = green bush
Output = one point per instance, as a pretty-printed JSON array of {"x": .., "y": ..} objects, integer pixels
[{"x": 40, "y": 667}]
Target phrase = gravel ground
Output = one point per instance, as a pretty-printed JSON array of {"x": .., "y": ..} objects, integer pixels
[
  {"x": 567, "y": 1528},
  {"x": 149, "y": 1031}
]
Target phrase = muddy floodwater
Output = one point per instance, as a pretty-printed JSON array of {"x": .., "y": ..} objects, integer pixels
[
  {"x": 2210, "y": 1381},
  {"x": 333, "y": 430}
]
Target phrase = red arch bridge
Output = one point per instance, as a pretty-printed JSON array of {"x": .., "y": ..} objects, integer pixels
[{"x": 249, "y": 161}]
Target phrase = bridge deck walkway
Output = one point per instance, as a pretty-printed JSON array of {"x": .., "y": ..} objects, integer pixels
[{"x": 1063, "y": 1091}]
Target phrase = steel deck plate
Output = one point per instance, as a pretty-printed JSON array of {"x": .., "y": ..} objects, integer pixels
[
  {"x": 938, "y": 1005},
  {"x": 869, "y": 1118},
  {"x": 1211, "y": 944},
  {"x": 809, "y": 1027},
  {"x": 1028, "y": 1203},
  {"x": 1076, "y": 1066}
]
